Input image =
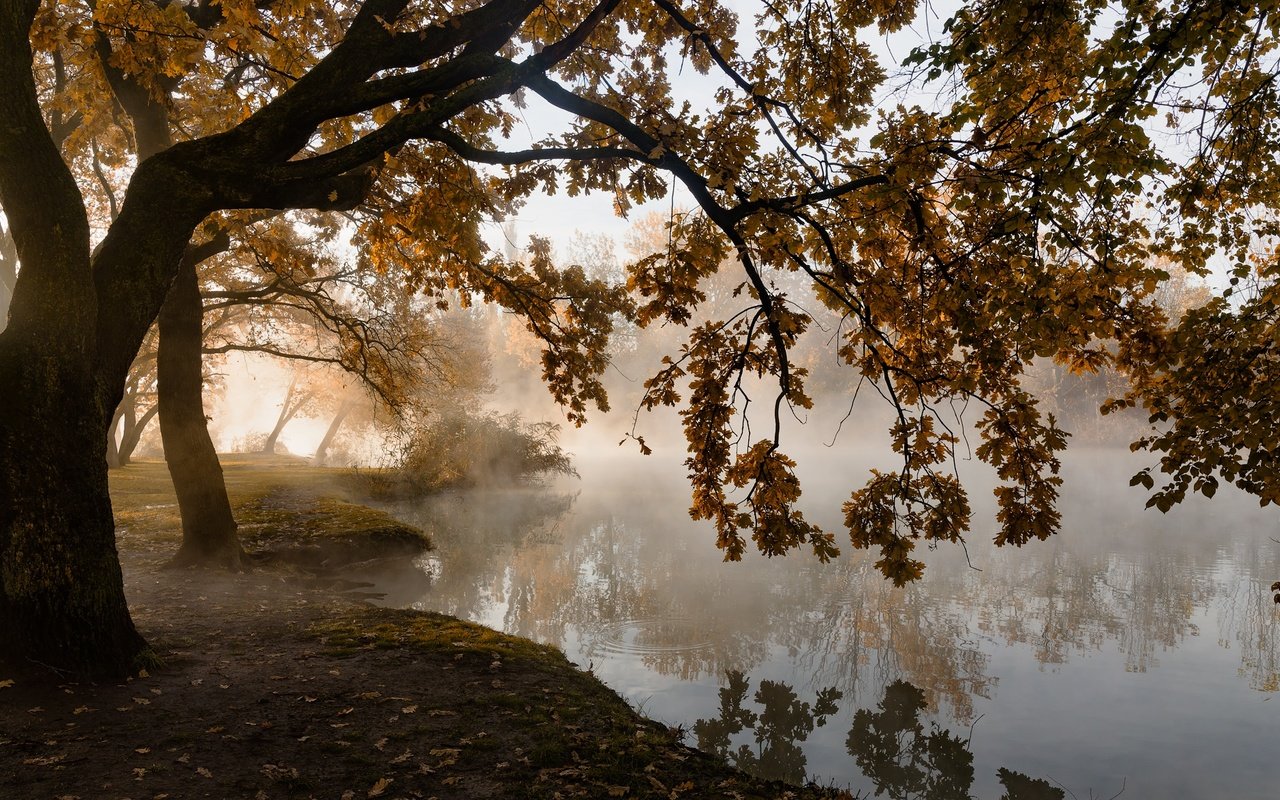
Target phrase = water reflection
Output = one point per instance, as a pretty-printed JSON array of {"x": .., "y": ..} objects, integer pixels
[
  {"x": 620, "y": 578},
  {"x": 891, "y": 745},
  {"x": 782, "y": 723},
  {"x": 906, "y": 760}
]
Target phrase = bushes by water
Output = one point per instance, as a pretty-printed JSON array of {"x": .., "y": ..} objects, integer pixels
[{"x": 459, "y": 448}]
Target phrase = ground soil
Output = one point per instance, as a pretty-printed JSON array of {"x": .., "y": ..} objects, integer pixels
[{"x": 282, "y": 683}]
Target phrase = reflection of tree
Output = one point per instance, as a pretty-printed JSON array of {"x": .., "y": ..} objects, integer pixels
[
  {"x": 783, "y": 722},
  {"x": 1247, "y": 619},
  {"x": 1077, "y": 599},
  {"x": 477, "y": 534},
  {"x": 906, "y": 761},
  {"x": 859, "y": 632},
  {"x": 625, "y": 572},
  {"x": 891, "y": 744}
]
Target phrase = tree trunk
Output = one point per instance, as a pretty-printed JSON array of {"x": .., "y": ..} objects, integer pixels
[
  {"x": 8, "y": 274},
  {"x": 292, "y": 405},
  {"x": 113, "y": 449},
  {"x": 62, "y": 603},
  {"x": 208, "y": 527},
  {"x": 132, "y": 434},
  {"x": 322, "y": 450}
]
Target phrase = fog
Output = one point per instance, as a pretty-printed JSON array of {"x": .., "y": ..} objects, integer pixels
[
  {"x": 1126, "y": 652},
  {"x": 1130, "y": 652}
]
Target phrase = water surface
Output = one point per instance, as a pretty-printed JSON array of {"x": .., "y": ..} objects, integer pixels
[{"x": 1135, "y": 651}]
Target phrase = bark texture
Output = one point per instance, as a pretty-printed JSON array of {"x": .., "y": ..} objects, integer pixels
[
  {"x": 208, "y": 527},
  {"x": 62, "y": 599}
]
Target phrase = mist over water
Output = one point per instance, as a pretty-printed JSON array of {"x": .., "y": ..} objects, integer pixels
[{"x": 1133, "y": 651}]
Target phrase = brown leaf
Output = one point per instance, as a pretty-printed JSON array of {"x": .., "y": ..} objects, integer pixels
[{"x": 381, "y": 786}]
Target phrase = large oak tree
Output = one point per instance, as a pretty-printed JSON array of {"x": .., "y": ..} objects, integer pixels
[{"x": 1080, "y": 144}]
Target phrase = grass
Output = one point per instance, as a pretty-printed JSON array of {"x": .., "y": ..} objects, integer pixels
[{"x": 283, "y": 507}]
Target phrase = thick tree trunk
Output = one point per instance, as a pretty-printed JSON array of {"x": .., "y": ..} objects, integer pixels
[
  {"x": 322, "y": 450},
  {"x": 62, "y": 602},
  {"x": 208, "y": 527},
  {"x": 62, "y": 599}
]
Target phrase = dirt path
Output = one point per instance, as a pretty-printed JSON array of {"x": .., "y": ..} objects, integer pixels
[{"x": 278, "y": 686}]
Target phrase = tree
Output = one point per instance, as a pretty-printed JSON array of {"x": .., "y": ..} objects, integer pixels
[
  {"x": 137, "y": 407},
  {"x": 8, "y": 274},
  {"x": 295, "y": 398},
  {"x": 1021, "y": 219}
]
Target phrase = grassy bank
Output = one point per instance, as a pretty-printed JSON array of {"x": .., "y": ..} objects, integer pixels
[{"x": 276, "y": 685}]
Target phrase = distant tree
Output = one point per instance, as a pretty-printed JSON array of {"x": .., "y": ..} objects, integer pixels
[
  {"x": 1020, "y": 219},
  {"x": 295, "y": 399},
  {"x": 138, "y": 406},
  {"x": 8, "y": 273}
]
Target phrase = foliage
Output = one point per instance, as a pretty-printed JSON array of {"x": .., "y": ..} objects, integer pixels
[
  {"x": 1216, "y": 400},
  {"x": 1079, "y": 147},
  {"x": 458, "y": 448}
]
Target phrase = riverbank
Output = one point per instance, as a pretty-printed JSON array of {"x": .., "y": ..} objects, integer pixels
[{"x": 281, "y": 683}]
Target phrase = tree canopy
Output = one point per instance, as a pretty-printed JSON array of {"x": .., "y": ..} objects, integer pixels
[{"x": 1067, "y": 150}]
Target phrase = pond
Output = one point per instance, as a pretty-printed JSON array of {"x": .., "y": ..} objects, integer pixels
[{"x": 1133, "y": 652}]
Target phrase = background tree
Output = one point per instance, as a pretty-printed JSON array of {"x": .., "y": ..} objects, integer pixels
[
  {"x": 138, "y": 406},
  {"x": 957, "y": 243},
  {"x": 296, "y": 397},
  {"x": 8, "y": 273}
]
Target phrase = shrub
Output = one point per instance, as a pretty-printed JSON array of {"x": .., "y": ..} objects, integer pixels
[{"x": 459, "y": 448}]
